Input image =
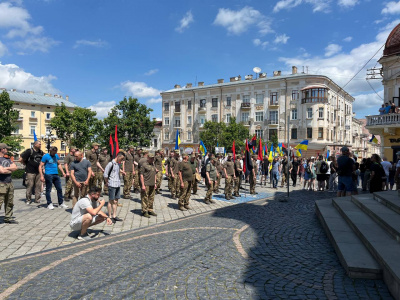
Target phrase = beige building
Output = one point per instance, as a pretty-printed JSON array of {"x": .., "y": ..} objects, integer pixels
[
  {"x": 317, "y": 109},
  {"x": 35, "y": 113}
]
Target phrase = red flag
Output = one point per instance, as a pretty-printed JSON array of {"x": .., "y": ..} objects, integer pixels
[
  {"x": 244, "y": 163},
  {"x": 116, "y": 141},
  {"x": 233, "y": 150},
  {"x": 112, "y": 147},
  {"x": 254, "y": 142},
  {"x": 260, "y": 151},
  {"x": 248, "y": 165}
]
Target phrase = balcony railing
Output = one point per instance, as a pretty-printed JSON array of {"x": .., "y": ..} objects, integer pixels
[
  {"x": 245, "y": 105},
  {"x": 273, "y": 103},
  {"x": 314, "y": 100},
  {"x": 389, "y": 119},
  {"x": 273, "y": 122}
]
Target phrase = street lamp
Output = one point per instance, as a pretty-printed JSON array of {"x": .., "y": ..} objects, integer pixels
[{"x": 48, "y": 139}]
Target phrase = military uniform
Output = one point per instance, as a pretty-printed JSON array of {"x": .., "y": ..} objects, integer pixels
[
  {"x": 220, "y": 170},
  {"x": 93, "y": 157},
  {"x": 193, "y": 165},
  {"x": 136, "y": 183},
  {"x": 69, "y": 185},
  {"x": 170, "y": 179},
  {"x": 158, "y": 164},
  {"x": 238, "y": 175},
  {"x": 252, "y": 177},
  {"x": 128, "y": 177},
  {"x": 148, "y": 171},
  {"x": 104, "y": 159},
  {"x": 6, "y": 191},
  {"x": 174, "y": 165},
  {"x": 185, "y": 170},
  {"x": 210, "y": 168},
  {"x": 229, "y": 166}
]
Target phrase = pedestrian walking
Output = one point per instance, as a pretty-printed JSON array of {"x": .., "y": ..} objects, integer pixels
[
  {"x": 345, "y": 171},
  {"x": 81, "y": 172},
  {"x": 128, "y": 168},
  {"x": 211, "y": 177},
  {"x": 186, "y": 181},
  {"x": 31, "y": 158},
  {"x": 112, "y": 177},
  {"x": 333, "y": 177},
  {"x": 321, "y": 168},
  {"x": 286, "y": 165},
  {"x": 148, "y": 176},
  {"x": 229, "y": 172},
  {"x": 276, "y": 169},
  {"x": 386, "y": 167},
  {"x": 6, "y": 186},
  {"x": 174, "y": 171},
  {"x": 378, "y": 176},
  {"x": 221, "y": 172},
  {"x": 253, "y": 176},
  {"x": 264, "y": 170},
  {"x": 294, "y": 171},
  {"x": 238, "y": 175},
  {"x": 104, "y": 159},
  {"x": 93, "y": 156},
  {"x": 50, "y": 162},
  {"x": 69, "y": 185}
]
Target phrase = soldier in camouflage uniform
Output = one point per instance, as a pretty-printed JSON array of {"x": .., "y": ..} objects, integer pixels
[
  {"x": 93, "y": 156},
  {"x": 104, "y": 159},
  {"x": 158, "y": 164},
  {"x": 69, "y": 187},
  {"x": 211, "y": 177},
  {"x": 195, "y": 170},
  {"x": 148, "y": 182},
  {"x": 229, "y": 169},
  {"x": 186, "y": 180},
  {"x": 168, "y": 171},
  {"x": 253, "y": 176},
  {"x": 128, "y": 168},
  {"x": 238, "y": 174},
  {"x": 220, "y": 170},
  {"x": 136, "y": 158},
  {"x": 174, "y": 169}
]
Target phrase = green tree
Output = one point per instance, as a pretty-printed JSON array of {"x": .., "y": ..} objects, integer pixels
[
  {"x": 213, "y": 134},
  {"x": 235, "y": 132},
  {"x": 62, "y": 123},
  {"x": 8, "y": 117}
]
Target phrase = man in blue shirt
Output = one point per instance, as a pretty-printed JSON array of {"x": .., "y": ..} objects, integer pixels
[
  {"x": 387, "y": 108},
  {"x": 50, "y": 162}
]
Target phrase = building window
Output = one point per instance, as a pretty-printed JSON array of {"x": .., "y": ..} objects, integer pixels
[
  {"x": 320, "y": 133},
  {"x": 177, "y": 122},
  {"x": 273, "y": 117},
  {"x": 228, "y": 101},
  {"x": 166, "y": 135},
  {"x": 317, "y": 95},
  {"x": 295, "y": 95},
  {"x": 228, "y": 118},
  {"x": 259, "y": 116},
  {"x": 274, "y": 98},
  {"x": 260, "y": 99},
  {"x": 245, "y": 116},
  {"x": 177, "y": 107},
  {"x": 33, "y": 128},
  {"x": 309, "y": 133},
  {"x": 166, "y": 121},
  {"x": 189, "y": 105},
  {"x": 189, "y": 120},
  {"x": 259, "y": 133},
  {"x": 294, "y": 133},
  {"x": 33, "y": 114},
  {"x": 48, "y": 116},
  {"x": 214, "y": 102},
  {"x": 48, "y": 129},
  {"x": 309, "y": 113},
  {"x": 246, "y": 98},
  {"x": 16, "y": 131},
  {"x": 214, "y": 118},
  {"x": 321, "y": 113},
  {"x": 202, "y": 102},
  {"x": 189, "y": 135},
  {"x": 63, "y": 146},
  {"x": 272, "y": 133},
  {"x": 155, "y": 143},
  {"x": 202, "y": 119},
  {"x": 166, "y": 106},
  {"x": 294, "y": 114}
]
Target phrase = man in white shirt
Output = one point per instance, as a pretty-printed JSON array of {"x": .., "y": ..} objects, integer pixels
[{"x": 386, "y": 166}]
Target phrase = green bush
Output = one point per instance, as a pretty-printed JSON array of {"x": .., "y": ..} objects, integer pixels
[{"x": 17, "y": 174}]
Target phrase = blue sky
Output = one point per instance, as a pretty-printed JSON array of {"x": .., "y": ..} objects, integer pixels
[{"x": 97, "y": 52}]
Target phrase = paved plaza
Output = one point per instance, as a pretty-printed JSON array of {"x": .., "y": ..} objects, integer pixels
[{"x": 258, "y": 249}]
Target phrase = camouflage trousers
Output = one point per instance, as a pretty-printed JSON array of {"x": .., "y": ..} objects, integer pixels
[
  {"x": 210, "y": 188},
  {"x": 7, "y": 197},
  {"x": 176, "y": 189},
  {"x": 170, "y": 182},
  {"x": 237, "y": 185},
  {"x": 252, "y": 181},
  {"x": 79, "y": 192},
  {"x": 96, "y": 180},
  {"x": 69, "y": 187},
  {"x": 128, "y": 179},
  {"x": 186, "y": 191},
  {"x": 194, "y": 184},
  {"x": 33, "y": 181},
  {"x": 228, "y": 186},
  {"x": 217, "y": 184},
  {"x": 159, "y": 178},
  {"x": 136, "y": 183},
  {"x": 147, "y": 198},
  {"x": 284, "y": 181}
]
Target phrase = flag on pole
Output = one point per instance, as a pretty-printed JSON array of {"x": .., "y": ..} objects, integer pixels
[
  {"x": 270, "y": 158},
  {"x": 116, "y": 141},
  {"x": 303, "y": 145},
  {"x": 177, "y": 140},
  {"x": 112, "y": 147},
  {"x": 34, "y": 136},
  {"x": 298, "y": 152},
  {"x": 248, "y": 164},
  {"x": 234, "y": 150},
  {"x": 202, "y": 148},
  {"x": 260, "y": 151},
  {"x": 284, "y": 150},
  {"x": 327, "y": 154},
  {"x": 373, "y": 140},
  {"x": 279, "y": 149},
  {"x": 254, "y": 142}
]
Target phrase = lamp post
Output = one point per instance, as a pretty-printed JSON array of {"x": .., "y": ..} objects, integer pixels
[{"x": 48, "y": 139}]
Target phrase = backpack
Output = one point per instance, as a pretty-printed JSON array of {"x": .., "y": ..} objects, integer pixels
[
  {"x": 308, "y": 169},
  {"x": 203, "y": 170},
  {"x": 323, "y": 168}
]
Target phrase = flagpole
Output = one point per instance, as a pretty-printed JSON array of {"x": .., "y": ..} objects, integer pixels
[{"x": 288, "y": 144}]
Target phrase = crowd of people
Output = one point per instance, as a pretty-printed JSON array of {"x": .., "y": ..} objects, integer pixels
[
  {"x": 95, "y": 173},
  {"x": 389, "y": 108}
]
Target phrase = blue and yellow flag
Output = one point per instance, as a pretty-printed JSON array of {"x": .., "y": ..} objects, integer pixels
[
  {"x": 298, "y": 152},
  {"x": 270, "y": 158},
  {"x": 34, "y": 136},
  {"x": 303, "y": 145},
  {"x": 373, "y": 140},
  {"x": 202, "y": 148},
  {"x": 177, "y": 140}
]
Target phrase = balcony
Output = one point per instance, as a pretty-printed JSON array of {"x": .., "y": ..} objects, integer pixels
[
  {"x": 273, "y": 103},
  {"x": 47, "y": 120},
  {"x": 272, "y": 122},
  {"x": 177, "y": 110},
  {"x": 245, "y": 106},
  {"x": 384, "y": 120},
  {"x": 314, "y": 100},
  {"x": 202, "y": 110},
  {"x": 177, "y": 124},
  {"x": 20, "y": 119}
]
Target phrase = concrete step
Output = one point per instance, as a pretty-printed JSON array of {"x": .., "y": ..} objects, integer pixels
[
  {"x": 382, "y": 215},
  {"x": 383, "y": 247},
  {"x": 390, "y": 198},
  {"x": 353, "y": 255}
]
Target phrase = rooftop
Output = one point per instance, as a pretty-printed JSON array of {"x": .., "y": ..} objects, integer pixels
[
  {"x": 45, "y": 99},
  {"x": 392, "y": 45}
]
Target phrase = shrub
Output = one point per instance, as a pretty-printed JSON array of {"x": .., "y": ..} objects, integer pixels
[{"x": 17, "y": 174}]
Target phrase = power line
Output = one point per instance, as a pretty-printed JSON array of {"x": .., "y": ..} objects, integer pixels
[{"x": 373, "y": 89}]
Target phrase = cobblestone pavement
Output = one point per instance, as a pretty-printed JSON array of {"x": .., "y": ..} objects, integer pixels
[{"x": 263, "y": 249}]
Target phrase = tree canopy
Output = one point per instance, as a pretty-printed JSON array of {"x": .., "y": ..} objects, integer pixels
[{"x": 8, "y": 117}]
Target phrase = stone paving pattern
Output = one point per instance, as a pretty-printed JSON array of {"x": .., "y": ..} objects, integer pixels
[{"x": 263, "y": 249}]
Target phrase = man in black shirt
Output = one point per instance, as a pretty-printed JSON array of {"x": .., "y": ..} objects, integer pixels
[
  {"x": 344, "y": 171},
  {"x": 31, "y": 158},
  {"x": 294, "y": 171}
]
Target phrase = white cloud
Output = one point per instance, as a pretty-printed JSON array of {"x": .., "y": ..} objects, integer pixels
[
  {"x": 151, "y": 72},
  {"x": 281, "y": 39},
  {"x": 3, "y": 49},
  {"x": 391, "y": 8},
  {"x": 258, "y": 42},
  {"x": 12, "y": 76},
  {"x": 348, "y": 39},
  {"x": 33, "y": 44},
  {"x": 366, "y": 101},
  {"x": 154, "y": 100},
  {"x": 140, "y": 89},
  {"x": 332, "y": 49},
  {"x": 318, "y": 5},
  {"x": 102, "y": 108},
  {"x": 185, "y": 22},
  {"x": 341, "y": 67},
  {"x": 98, "y": 44},
  {"x": 347, "y": 3},
  {"x": 237, "y": 22}
]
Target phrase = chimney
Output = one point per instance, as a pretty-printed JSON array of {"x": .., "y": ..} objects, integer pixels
[
  {"x": 177, "y": 86},
  {"x": 67, "y": 98},
  {"x": 277, "y": 73},
  {"x": 294, "y": 70},
  {"x": 232, "y": 79},
  {"x": 248, "y": 77},
  {"x": 48, "y": 95},
  {"x": 220, "y": 81},
  {"x": 30, "y": 92},
  {"x": 201, "y": 83},
  {"x": 239, "y": 78},
  {"x": 13, "y": 90},
  {"x": 56, "y": 96},
  {"x": 262, "y": 75},
  {"x": 188, "y": 85}
]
